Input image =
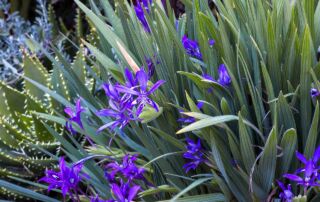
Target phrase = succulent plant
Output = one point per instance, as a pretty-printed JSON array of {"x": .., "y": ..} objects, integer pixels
[{"x": 23, "y": 136}]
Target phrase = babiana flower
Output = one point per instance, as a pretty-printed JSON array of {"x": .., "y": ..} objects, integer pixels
[
  {"x": 224, "y": 77},
  {"x": 124, "y": 192},
  {"x": 194, "y": 155},
  {"x": 286, "y": 192},
  {"x": 140, "y": 92},
  {"x": 128, "y": 169},
  {"x": 123, "y": 177},
  {"x": 310, "y": 170},
  {"x": 191, "y": 47},
  {"x": 314, "y": 92},
  {"x": 66, "y": 179},
  {"x": 75, "y": 116},
  {"x": 140, "y": 13},
  {"x": 120, "y": 108},
  {"x": 126, "y": 102}
]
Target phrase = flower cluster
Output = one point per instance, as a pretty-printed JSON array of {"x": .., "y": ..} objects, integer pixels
[
  {"x": 307, "y": 176},
  {"x": 66, "y": 179},
  {"x": 75, "y": 116},
  {"x": 224, "y": 77},
  {"x": 194, "y": 155},
  {"x": 122, "y": 178},
  {"x": 140, "y": 5},
  {"x": 127, "y": 101}
]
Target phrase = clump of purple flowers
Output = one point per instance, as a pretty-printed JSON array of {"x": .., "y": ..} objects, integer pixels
[
  {"x": 224, "y": 77},
  {"x": 194, "y": 155},
  {"x": 128, "y": 169},
  {"x": 140, "y": 5},
  {"x": 67, "y": 179},
  {"x": 126, "y": 102},
  {"x": 307, "y": 176},
  {"x": 75, "y": 116},
  {"x": 120, "y": 108},
  {"x": 124, "y": 192},
  {"x": 122, "y": 177}
]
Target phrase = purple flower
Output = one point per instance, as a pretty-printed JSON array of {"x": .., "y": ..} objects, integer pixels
[
  {"x": 310, "y": 170},
  {"x": 191, "y": 47},
  {"x": 224, "y": 77},
  {"x": 124, "y": 99},
  {"x": 305, "y": 182},
  {"x": 66, "y": 179},
  {"x": 120, "y": 108},
  {"x": 194, "y": 154},
  {"x": 314, "y": 92},
  {"x": 124, "y": 192},
  {"x": 141, "y": 15},
  {"x": 75, "y": 116},
  {"x": 311, "y": 165},
  {"x": 128, "y": 169},
  {"x": 286, "y": 194},
  {"x": 141, "y": 92}
]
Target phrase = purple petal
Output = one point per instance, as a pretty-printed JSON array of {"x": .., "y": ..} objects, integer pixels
[
  {"x": 142, "y": 78},
  {"x": 139, "y": 109},
  {"x": 69, "y": 111},
  {"x": 200, "y": 105},
  {"x": 129, "y": 77},
  {"x": 156, "y": 86},
  {"x": 208, "y": 77},
  {"x": 293, "y": 177},
  {"x": 125, "y": 89},
  {"x": 301, "y": 157},
  {"x": 78, "y": 105},
  {"x": 153, "y": 104},
  {"x": 133, "y": 192},
  {"x": 117, "y": 192},
  {"x": 309, "y": 169},
  {"x": 281, "y": 185},
  {"x": 107, "y": 112},
  {"x": 316, "y": 155}
]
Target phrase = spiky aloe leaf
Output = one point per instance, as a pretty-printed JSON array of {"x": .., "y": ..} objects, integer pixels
[{"x": 34, "y": 70}]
